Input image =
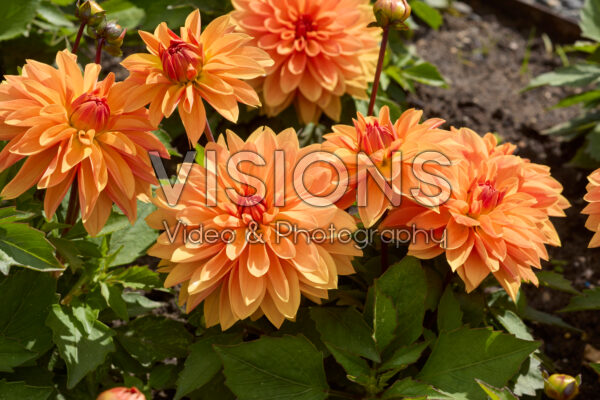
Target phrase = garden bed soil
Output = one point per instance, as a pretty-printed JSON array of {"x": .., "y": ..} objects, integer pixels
[{"x": 482, "y": 55}]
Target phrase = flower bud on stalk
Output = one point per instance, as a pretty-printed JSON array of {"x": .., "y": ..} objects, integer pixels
[
  {"x": 90, "y": 13},
  {"x": 122, "y": 393},
  {"x": 392, "y": 13},
  {"x": 561, "y": 387}
]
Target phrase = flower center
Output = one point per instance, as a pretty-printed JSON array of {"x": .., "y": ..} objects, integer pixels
[
  {"x": 489, "y": 196},
  {"x": 180, "y": 62},
  {"x": 304, "y": 24},
  {"x": 252, "y": 208},
  {"x": 89, "y": 112},
  {"x": 375, "y": 137}
]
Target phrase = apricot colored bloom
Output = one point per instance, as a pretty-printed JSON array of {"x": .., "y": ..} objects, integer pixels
[
  {"x": 262, "y": 267},
  {"x": 69, "y": 127},
  {"x": 375, "y": 140},
  {"x": 497, "y": 219},
  {"x": 182, "y": 71},
  {"x": 322, "y": 50},
  {"x": 122, "y": 393},
  {"x": 593, "y": 209}
]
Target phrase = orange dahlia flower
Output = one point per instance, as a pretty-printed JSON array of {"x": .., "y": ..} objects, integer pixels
[
  {"x": 497, "y": 219},
  {"x": 593, "y": 209},
  {"x": 322, "y": 50},
  {"x": 69, "y": 126},
  {"x": 182, "y": 71},
  {"x": 375, "y": 140},
  {"x": 257, "y": 263}
]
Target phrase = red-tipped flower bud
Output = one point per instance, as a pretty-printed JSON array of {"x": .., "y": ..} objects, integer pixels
[
  {"x": 113, "y": 31},
  {"x": 122, "y": 393},
  {"x": 392, "y": 13},
  {"x": 561, "y": 387}
]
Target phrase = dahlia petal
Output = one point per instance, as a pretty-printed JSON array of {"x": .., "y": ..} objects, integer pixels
[
  {"x": 99, "y": 215},
  {"x": 193, "y": 23},
  {"x": 252, "y": 287},
  {"x": 258, "y": 259},
  {"x": 68, "y": 65},
  {"x": 29, "y": 174},
  {"x": 55, "y": 194},
  {"x": 194, "y": 122}
]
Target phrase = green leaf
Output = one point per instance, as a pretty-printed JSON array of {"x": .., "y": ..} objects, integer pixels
[
  {"x": 138, "y": 304},
  {"x": 16, "y": 16},
  {"x": 530, "y": 379},
  {"x": 410, "y": 389},
  {"x": 82, "y": 351},
  {"x": 585, "y": 97},
  {"x": 461, "y": 356},
  {"x": 495, "y": 393},
  {"x": 26, "y": 297},
  {"x": 556, "y": 281},
  {"x": 270, "y": 368},
  {"x": 426, "y": 74},
  {"x": 202, "y": 364},
  {"x": 595, "y": 367},
  {"x": 405, "y": 356},
  {"x": 578, "y": 75},
  {"x": 125, "y": 12},
  {"x": 385, "y": 319},
  {"x": 152, "y": 338},
  {"x": 28, "y": 247},
  {"x": 449, "y": 315},
  {"x": 575, "y": 127},
  {"x": 357, "y": 368},
  {"x": 54, "y": 15},
  {"x": 427, "y": 14},
  {"x": 334, "y": 324},
  {"x": 405, "y": 283},
  {"x": 114, "y": 298},
  {"x": 171, "y": 11},
  {"x": 13, "y": 354},
  {"x": 532, "y": 314},
  {"x": 138, "y": 278},
  {"x": 133, "y": 240},
  {"x": 163, "y": 376},
  {"x": 199, "y": 155},
  {"x": 513, "y": 324},
  {"x": 589, "y": 300},
  {"x": 22, "y": 391},
  {"x": 590, "y": 20}
]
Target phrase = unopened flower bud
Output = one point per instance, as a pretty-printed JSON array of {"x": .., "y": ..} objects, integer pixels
[
  {"x": 122, "y": 393},
  {"x": 392, "y": 13},
  {"x": 118, "y": 42},
  {"x": 561, "y": 387},
  {"x": 113, "y": 31},
  {"x": 90, "y": 12}
]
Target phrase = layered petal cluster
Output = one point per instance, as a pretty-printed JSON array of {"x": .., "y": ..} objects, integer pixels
[
  {"x": 593, "y": 209},
  {"x": 266, "y": 255},
  {"x": 322, "y": 50},
  {"x": 374, "y": 141},
  {"x": 181, "y": 71},
  {"x": 71, "y": 128},
  {"x": 497, "y": 219}
]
